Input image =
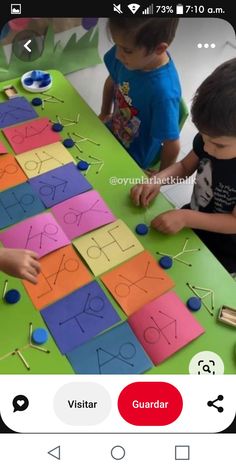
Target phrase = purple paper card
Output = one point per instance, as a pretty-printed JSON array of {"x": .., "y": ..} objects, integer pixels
[
  {"x": 41, "y": 234},
  {"x": 60, "y": 184},
  {"x": 82, "y": 214},
  {"x": 79, "y": 317},
  {"x": 16, "y": 110}
]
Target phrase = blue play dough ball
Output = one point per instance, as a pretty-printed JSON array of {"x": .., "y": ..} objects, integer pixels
[
  {"x": 194, "y": 303},
  {"x": 46, "y": 76},
  {"x": 141, "y": 229},
  {"x": 37, "y": 101},
  {"x": 40, "y": 336},
  {"x": 57, "y": 127},
  {"x": 28, "y": 81},
  {"x": 12, "y": 296},
  {"x": 45, "y": 82},
  {"x": 82, "y": 165},
  {"x": 166, "y": 262},
  {"x": 37, "y": 75},
  {"x": 68, "y": 143}
]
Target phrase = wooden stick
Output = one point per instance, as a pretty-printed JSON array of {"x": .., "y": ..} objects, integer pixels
[
  {"x": 183, "y": 262},
  {"x": 4, "y": 289},
  {"x": 226, "y": 316},
  {"x": 30, "y": 331},
  {"x": 191, "y": 288},
  {"x": 22, "y": 358},
  {"x": 7, "y": 355},
  {"x": 185, "y": 244},
  {"x": 202, "y": 288},
  {"x": 42, "y": 349}
]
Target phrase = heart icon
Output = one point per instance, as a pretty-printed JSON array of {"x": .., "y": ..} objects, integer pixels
[{"x": 20, "y": 402}]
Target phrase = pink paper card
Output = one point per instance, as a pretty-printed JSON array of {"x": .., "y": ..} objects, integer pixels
[
  {"x": 164, "y": 326},
  {"x": 40, "y": 233},
  {"x": 31, "y": 135},
  {"x": 82, "y": 214},
  {"x": 3, "y": 150}
]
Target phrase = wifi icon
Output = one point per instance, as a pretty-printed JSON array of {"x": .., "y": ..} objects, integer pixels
[{"x": 133, "y": 7}]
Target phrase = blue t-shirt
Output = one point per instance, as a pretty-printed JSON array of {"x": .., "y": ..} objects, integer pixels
[{"x": 146, "y": 107}]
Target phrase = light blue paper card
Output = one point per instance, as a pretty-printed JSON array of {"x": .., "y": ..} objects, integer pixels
[
  {"x": 117, "y": 351},
  {"x": 18, "y": 203}
]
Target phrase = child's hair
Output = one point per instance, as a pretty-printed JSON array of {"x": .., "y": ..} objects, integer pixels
[
  {"x": 214, "y": 103},
  {"x": 144, "y": 32}
]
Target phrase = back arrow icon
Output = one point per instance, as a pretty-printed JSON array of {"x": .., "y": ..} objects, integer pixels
[
  {"x": 56, "y": 452},
  {"x": 26, "y": 45}
]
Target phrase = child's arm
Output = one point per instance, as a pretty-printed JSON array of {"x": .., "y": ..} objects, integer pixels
[
  {"x": 214, "y": 222},
  {"x": 20, "y": 263},
  {"x": 107, "y": 98},
  {"x": 143, "y": 194},
  {"x": 173, "y": 221},
  {"x": 169, "y": 153}
]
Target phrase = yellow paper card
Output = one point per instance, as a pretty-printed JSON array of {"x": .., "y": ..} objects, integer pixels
[
  {"x": 108, "y": 246},
  {"x": 41, "y": 160}
]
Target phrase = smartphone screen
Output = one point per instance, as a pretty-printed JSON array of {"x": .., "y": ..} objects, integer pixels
[{"x": 117, "y": 236}]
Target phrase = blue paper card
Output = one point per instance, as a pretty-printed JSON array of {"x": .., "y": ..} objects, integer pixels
[
  {"x": 117, "y": 351},
  {"x": 60, "y": 184},
  {"x": 18, "y": 203},
  {"x": 80, "y": 316},
  {"x": 16, "y": 110}
]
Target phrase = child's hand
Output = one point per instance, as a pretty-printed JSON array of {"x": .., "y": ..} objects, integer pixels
[
  {"x": 143, "y": 194},
  {"x": 104, "y": 117},
  {"x": 20, "y": 263},
  {"x": 170, "y": 222}
]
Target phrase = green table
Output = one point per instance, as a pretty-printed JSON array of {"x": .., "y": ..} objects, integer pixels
[{"x": 205, "y": 270}]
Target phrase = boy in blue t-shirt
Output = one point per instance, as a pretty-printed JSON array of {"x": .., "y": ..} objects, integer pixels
[{"x": 144, "y": 89}]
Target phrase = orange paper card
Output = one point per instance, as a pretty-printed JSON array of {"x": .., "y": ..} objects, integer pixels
[
  {"x": 11, "y": 173},
  {"x": 62, "y": 271},
  {"x": 137, "y": 282}
]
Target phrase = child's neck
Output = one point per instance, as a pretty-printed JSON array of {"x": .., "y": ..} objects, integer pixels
[{"x": 158, "y": 61}]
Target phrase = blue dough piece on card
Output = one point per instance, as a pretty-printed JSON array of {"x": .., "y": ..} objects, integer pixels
[
  {"x": 57, "y": 127},
  {"x": 12, "y": 296},
  {"x": 46, "y": 76},
  {"x": 40, "y": 336},
  {"x": 28, "y": 81},
  {"x": 194, "y": 303},
  {"x": 82, "y": 165},
  {"x": 45, "y": 82},
  {"x": 166, "y": 262},
  {"x": 141, "y": 229},
  {"x": 68, "y": 143},
  {"x": 37, "y": 75},
  {"x": 37, "y": 101}
]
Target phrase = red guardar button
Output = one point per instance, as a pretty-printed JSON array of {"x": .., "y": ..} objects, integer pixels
[{"x": 150, "y": 403}]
